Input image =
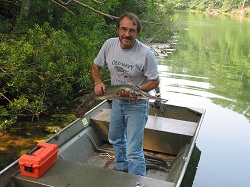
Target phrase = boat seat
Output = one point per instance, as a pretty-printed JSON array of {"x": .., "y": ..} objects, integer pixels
[
  {"x": 161, "y": 134},
  {"x": 69, "y": 173}
]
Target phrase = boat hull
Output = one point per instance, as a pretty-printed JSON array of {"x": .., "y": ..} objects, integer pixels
[{"x": 85, "y": 154}]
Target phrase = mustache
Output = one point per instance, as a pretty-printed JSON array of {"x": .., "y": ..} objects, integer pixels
[{"x": 127, "y": 37}]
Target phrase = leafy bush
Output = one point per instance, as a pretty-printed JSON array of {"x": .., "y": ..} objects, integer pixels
[
  {"x": 38, "y": 72},
  {"x": 201, "y": 7},
  {"x": 179, "y": 6},
  {"x": 225, "y": 8},
  {"x": 192, "y": 5},
  {"x": 247, "y": 12},
  {"x": 46, "y": 52}
]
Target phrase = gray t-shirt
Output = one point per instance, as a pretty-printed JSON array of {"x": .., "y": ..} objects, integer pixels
[{"x": 136, "y": 65}]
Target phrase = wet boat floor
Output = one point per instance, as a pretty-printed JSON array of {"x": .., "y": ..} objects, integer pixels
[
  {"x": 158, "y": 164},
  {"x": 98, "y": 171},
  {"x": 69, "y": 173}
]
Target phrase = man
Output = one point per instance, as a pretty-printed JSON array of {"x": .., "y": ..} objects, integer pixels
[{"x": 129, "y": 62}]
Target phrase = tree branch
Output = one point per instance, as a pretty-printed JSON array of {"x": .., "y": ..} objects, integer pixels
[
  {"x": 64, "y": 3},
  {"x": 94, "y": 10},
  {"x": 65, "y": 8},
  {"x": 5, "y": 97},
  {"x": 98, "y": 2},
  {"x": 5, "y": 72}
]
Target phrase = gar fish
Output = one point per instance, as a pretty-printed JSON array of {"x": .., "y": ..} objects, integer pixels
[{"x": 112, "y": 92}]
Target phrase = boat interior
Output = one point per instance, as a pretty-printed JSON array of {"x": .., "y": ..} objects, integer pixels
[{"x": 85, "y": 157}]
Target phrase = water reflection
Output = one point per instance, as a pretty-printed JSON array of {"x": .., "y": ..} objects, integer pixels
[
  {"x": 186, "y": 84},
  {"x": 212, "y": 60},
  {"x": 210, "y": 69}
]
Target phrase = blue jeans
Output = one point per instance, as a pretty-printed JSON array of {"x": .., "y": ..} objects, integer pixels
[{"x": 126, "y": 132}]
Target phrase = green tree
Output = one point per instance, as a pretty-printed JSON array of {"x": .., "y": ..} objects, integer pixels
[
  {"x": 36, "y": 68},
  {"x": 212, "y": 5},
  {"x": 47, "y": 47}
]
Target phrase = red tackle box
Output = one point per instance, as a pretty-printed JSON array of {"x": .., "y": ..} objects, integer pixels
[{"x": 38, "y": 160}]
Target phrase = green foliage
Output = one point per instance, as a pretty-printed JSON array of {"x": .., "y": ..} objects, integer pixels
[
  {"x": 203, "y": 5},
  {"x": 5, "y": 26},
  {"x": 179, "y": 4},
  {"x": 247, "y": 12},
  {"x": 161, "y": 13},
  {"x": 158, "y": 12},
  {"x": 46, "y": 52},
  {"x": 37, "y": 68},
  {"x": 225, "y": 7},
  {"x": 9, "y": 11}
]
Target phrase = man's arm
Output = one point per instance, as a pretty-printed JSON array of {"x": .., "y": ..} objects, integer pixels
[
  {"x": 100, "y": 88},
  {"x": 150, "y": 85}
]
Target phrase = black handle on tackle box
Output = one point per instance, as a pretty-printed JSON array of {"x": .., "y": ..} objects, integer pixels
[{"x": 33, "y": 150}]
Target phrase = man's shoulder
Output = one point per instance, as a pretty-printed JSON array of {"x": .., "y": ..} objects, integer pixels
[
  {"x": 144, "y": 47},
  {"x": 112, "y": 40}
]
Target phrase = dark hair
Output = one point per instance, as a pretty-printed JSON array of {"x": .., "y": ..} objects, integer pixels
[{"x": 134, "y": 18}]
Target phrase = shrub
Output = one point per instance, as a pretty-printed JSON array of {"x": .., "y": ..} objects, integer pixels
[{"x": 38, "y": 72}]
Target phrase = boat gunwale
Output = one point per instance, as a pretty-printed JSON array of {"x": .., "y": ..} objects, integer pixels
[
  {"x": 193, "y": 141},
  {"x": 104, "y": 104}
]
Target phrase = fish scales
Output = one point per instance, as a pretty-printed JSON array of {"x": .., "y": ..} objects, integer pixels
[{"x": 112, "y": 92}]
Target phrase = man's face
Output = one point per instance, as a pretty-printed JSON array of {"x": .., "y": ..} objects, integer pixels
[{"x": 127, "y": 33}]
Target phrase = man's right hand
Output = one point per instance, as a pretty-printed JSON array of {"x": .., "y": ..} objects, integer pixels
[{"x": 100, "y": 89}]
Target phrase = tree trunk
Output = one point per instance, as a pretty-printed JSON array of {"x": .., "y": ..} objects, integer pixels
[
  {"x": 21, "y": 26},
  {"x": 25, "y": 7},
  {"x": 243, "y": 6}
]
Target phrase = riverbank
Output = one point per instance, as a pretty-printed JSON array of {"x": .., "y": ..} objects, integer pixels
[
  {"x": 233, "y": 12},
  {"x": 22, "y": 136}
]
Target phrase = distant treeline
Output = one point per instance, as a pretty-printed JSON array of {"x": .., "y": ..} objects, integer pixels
[{"x": 214, "y": 6}]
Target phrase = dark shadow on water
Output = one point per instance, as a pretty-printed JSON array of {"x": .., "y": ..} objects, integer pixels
[{"x": 192, "y": 168}]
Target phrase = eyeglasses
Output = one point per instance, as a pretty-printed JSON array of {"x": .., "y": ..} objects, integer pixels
[{"x": 131, "y": 31}]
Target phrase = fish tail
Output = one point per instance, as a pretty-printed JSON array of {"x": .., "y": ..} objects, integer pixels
[
  {"x": 88, "y": 101},
  {"x": 80, "y": 111},
  {"x": 83, "y": 108}
]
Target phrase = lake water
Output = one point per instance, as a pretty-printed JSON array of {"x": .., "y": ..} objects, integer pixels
[{"x": 211, "y": 69}]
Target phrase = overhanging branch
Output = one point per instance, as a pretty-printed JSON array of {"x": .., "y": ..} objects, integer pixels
[
  {"x": 63, "y": 5},
  {"x": 94, "y": 10}
]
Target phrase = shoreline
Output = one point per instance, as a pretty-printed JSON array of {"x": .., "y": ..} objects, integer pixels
[{"x": 234, "y": 12}]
